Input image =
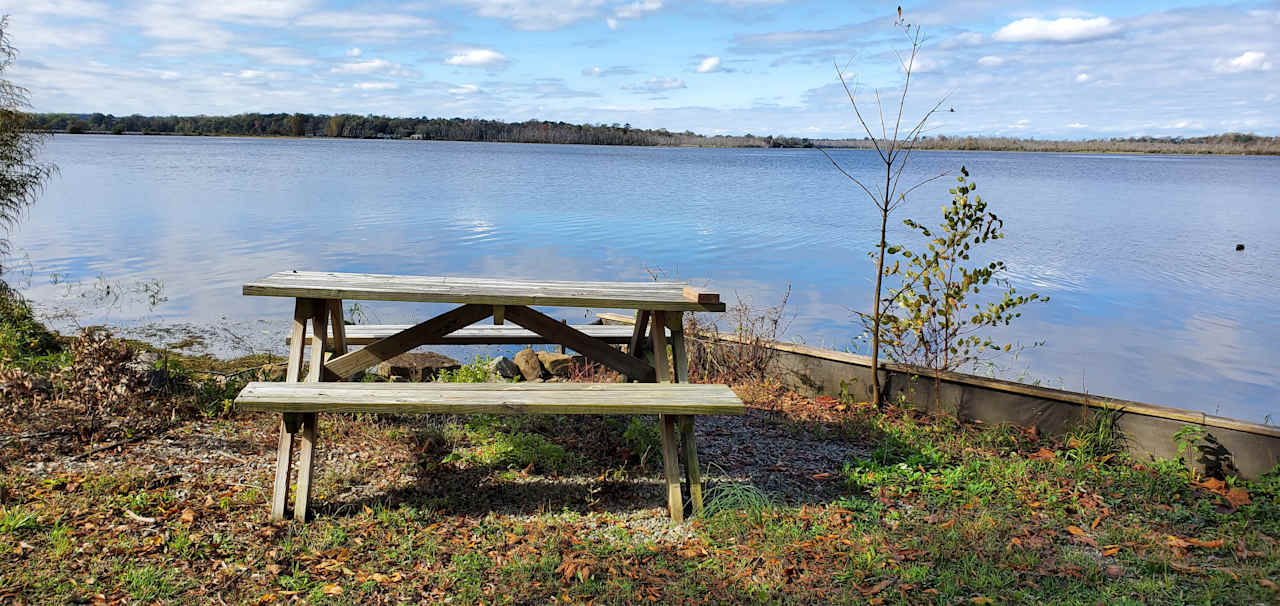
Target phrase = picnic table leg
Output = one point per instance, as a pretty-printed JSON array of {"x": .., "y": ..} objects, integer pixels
[
  {"x": 637, "y": 333},
  {"x": 680, "y": 362},
  {"x": 289, "y": 422},
  {"x": 307, "y": 445},
  {"x": 694, "y": 473},
  {"x": 671, "y": 467}
]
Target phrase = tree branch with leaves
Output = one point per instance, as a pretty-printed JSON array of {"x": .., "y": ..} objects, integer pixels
[
  {"x": 22, "y": 175},
  {"x": 893, "y": 145}
]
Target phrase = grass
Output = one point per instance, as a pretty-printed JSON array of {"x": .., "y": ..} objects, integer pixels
[{"x": 542, "y": 509}]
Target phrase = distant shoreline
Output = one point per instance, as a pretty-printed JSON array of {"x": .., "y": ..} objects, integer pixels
[{"x": 1060, "y": 147}]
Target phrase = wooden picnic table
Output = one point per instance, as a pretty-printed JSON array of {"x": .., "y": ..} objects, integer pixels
[{"x": 659, "y": 311}]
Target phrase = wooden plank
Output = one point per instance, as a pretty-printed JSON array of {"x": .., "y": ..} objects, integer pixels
[
  {"x": 574, "y": 339},
  {"x": 499, "y": 314},
  {"x": 319, "y": 338},
  {"x": 495, "y": 398},
  {"x": 679, "y": 355},
  {"x": 637, "y": 333},
  {"x": 484, "y": 334},
  {"x": 389, "y": 347},
  {"x": 698, "y": 296},
  {"x": 671, "y": 468},
  {"x": 484, "y": 291},
  {"x": 301, "y": 313},
  {"x": 658, "y": 337},
  {"x": 284, "y": 457},
  {"x": 337, "y": 327},
  {"x": 306, "y": 466},
  {"x": 690, "y": 445}
]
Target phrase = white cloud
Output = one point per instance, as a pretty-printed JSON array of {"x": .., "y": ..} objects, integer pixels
[
  {"x": 251, "y": 74},
  {"x": 600, "y": 72},
  {"x": 1077, "y": 125},
  {"x": 478, "y": 57},
  {"x": 1250, "y": 61},
  {"x": 991, "y": 61},
  {"x": 536, "y": 14},
  {"x": 964, "y": 39},
  {"x": 36, "y": 35},
  {"x": 1065, "y": 29},
  {"x": 278, "y": 55},
  {"x": 353, "y": 52},
  {"x": 638, "y": 9},
  {"x": 1081, "y": 78},
  {"x": 657, "y": 85},
  {"x": 80, "y": 9},
  {"x": 464, "y": 89},
  {"x": 374, "y": 85},
  {"x": 612, "y": 23},
  {"x": 370, "y": 26},
  {"x": 708, "y": 65},
  {"x": 251, "y": 12},
  {"x": 371, "y": 66}
]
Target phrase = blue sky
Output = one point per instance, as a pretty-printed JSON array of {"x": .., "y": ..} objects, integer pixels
[{"x": 1060, "y": 70}]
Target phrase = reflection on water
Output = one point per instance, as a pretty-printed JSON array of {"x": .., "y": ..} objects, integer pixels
[{"x": 1150, "y": 301}]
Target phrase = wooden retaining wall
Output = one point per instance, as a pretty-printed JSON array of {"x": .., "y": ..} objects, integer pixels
[{"x": 1148, "y": 428}]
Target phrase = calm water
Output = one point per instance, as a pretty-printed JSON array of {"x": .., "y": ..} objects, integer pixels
[{"x": 1150, "y": 301}]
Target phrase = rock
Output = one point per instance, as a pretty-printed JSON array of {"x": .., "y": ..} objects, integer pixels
[
  {"x": 144, "y": 361},
  {"x": 502, "y": 366},
  {"x": 557, "y": 364},
  {"x": 415, "y": 366},
  {"x": 1239, "y": 247},
  {"x": 529, "y": 365}
]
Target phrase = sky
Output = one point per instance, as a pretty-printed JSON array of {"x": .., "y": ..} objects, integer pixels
[{"x": 1062, "y": 70}]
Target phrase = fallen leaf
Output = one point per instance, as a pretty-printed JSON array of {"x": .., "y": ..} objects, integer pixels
[
  {"x": 1180, "y": 567},
  {"x": 333, "y": 589},
  {"x": 1110, "y": 550},
  {"x": 1044, "y": 454},
  {"x": 274, "y": 568},
  {"x": 1214, "y": 544},
  {"x": 1268, "y": 584},
  {"x": 821, "y": 476},
  {"x": 877, "y": 588},
  {"x": 982, "y": 600},
  {"x": 1238, "y": 497},
  {"x": 1084, "y": 537},
  {"x": 188, "y": 516},
  {"x": 1114, "y": 571}
]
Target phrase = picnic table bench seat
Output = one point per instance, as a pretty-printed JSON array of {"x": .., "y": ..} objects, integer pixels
[{"x": 675, "y": 403}]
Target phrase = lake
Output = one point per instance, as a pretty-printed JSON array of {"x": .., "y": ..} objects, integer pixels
[{"x": 1150, "y": 301}]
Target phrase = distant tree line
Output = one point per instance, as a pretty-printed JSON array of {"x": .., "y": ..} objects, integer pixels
[
  {"x": 383, "y": 127},
  {"x": 352, "y": 126},
  {"x": 1226, "y": 143}
]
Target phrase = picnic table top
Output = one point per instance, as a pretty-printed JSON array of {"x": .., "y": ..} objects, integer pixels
[{"x": 667, "y": 296}]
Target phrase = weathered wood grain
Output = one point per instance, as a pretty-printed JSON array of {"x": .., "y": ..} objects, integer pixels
[
  {"x": 483, "y": 334},
  {"x": 389, "y": 347},
  {"x": 496, "y": 398},
  {"x": 690, "y": 446},
  {"x": 568, "y": 336},
  {"x": 698, "y": 296},
  {"x": 658, "y": 337},
  {"x": 671, "y": 468},
  {"x": 636, "y": 345},
  {"x": 486, "y": 291}
]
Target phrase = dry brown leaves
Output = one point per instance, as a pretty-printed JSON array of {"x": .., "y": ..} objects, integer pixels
[{"x": 1235, "y": 496}]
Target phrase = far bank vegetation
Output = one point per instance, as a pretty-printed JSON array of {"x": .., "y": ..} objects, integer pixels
[{"x": 351, "y": 126}]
